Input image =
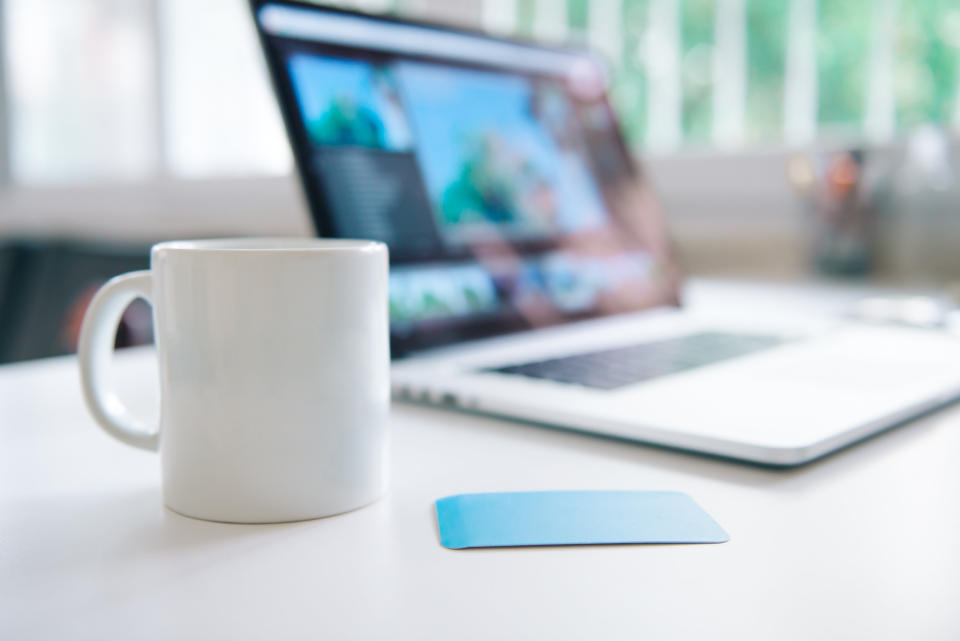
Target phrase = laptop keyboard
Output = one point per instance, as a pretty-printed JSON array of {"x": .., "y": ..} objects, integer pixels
[{"x": 613, "y": 368}]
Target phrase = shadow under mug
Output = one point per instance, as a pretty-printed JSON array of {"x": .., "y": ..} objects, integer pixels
[{"x": 274, "y": 360}]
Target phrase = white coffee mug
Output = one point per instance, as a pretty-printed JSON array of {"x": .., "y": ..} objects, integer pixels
[{"x": 274, "y": 374}]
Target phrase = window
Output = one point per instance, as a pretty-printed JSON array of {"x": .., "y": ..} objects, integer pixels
[
  {"x": 926, "y": 72},
  {"x": 843, "y": 54},
  {"x": 766, "y": 46},
  {"x": 80, "y": 99},
  {"x": 127, "y": 90},
  {"x": 221, "y": 117},
  {"x": 106, "y": 90}
]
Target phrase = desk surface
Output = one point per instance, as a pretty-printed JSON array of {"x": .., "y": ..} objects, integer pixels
[{"x": 861, "y": 545}]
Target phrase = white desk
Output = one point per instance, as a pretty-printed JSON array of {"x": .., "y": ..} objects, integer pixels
[{"x": 861, "y": 545}]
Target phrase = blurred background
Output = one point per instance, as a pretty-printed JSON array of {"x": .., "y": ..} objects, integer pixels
[{"x": 789, "y": 139}]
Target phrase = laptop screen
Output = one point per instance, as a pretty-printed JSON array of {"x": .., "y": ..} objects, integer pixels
[{"x": 494, "y": 170}]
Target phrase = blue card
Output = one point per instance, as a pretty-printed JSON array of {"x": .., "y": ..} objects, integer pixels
[{"x": 573, "y": 518}]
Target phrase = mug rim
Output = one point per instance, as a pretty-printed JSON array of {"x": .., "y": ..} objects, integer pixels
[{"x": 268, "y": 244}]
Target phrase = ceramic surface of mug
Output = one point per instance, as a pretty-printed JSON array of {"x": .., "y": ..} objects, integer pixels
[{"x": 274, "y": 374}]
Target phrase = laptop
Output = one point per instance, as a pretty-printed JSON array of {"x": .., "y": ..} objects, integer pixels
[{"x": 532, "y": 275}]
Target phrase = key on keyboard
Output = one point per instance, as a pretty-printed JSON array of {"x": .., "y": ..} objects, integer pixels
[{"x": 613, "y": 368}]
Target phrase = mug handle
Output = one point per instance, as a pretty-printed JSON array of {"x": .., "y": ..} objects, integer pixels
[{"x": 94, "y": 350}]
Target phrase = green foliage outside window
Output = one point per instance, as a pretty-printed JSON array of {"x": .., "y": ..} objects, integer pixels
[
  {"x": 696, "y": 64},
  {"x": 843, "y": 54},
  {"x": 926, "y": 45},
  {"x": 526, "y": 16},
  {"x": 629, "y": 78},
  {"x": 766, "y": 66},
  {"x": 577, "y": 15}
]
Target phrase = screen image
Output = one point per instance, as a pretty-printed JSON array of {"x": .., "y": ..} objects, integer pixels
[
  {"x": 504, "y": 191},
  {"x": 348, "y": 102},
  {"x": 495, "y": 150}
]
